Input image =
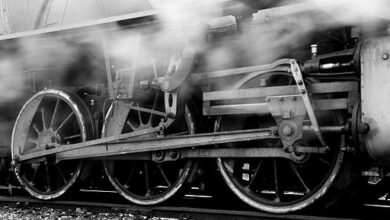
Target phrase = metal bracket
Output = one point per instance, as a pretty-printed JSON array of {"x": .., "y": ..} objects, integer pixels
[
  {"x": 289, "y": 113},
  {"x": 296, "y": 72},
  {"x": 179, "y": 69},
  {"x": 170, "y": 101}
]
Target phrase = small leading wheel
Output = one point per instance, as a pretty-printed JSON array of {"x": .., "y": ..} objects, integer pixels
[
  {"x": 279, "y": 185},
  {"x": 49, "y": 117},
  {"x": 145, "y": 182}
]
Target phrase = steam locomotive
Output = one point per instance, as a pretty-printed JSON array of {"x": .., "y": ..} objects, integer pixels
[{"x": 154, "y": 89}]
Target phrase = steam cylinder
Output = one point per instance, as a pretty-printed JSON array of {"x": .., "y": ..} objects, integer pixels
[{"x": 375, "y": 92}]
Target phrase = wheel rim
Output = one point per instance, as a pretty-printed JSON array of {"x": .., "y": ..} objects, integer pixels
[
  {"x": 146, "y": 182},
  {"x": 278, "y": 185},
  {"x": 50, "y": 116}
]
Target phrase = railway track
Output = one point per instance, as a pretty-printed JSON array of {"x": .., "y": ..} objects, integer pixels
[{"x": 367, "y": 211}]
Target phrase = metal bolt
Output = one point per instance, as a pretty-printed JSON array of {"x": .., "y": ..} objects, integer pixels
[
  {"x": 363, "y": 128},
  {"x": 385, "y": 56},
  {"x": 165, "y": 85},
  {"x": 295, "y": 98},
  {"x": 275, "y": 132},
  {"x": 300, "y": 82},
  {"x": 287, "y": 130},
  {"x": 159, "y": 155},
  {"x": 303, "y": 91},
  {"x": 173, "y": 154},
  {"x": 145, "y": 85},
  {"x": 281, "y": 99}
]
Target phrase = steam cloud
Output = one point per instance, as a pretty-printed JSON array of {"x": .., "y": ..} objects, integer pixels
[{"x": 265, "y": 39}]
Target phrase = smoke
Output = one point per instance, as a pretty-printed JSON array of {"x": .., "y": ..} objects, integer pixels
[
  {"x": 262, "y": 37},
  {"x": 350, "y": 11},
  {"x": 180, "y": 24},
  {"x": 270, "y": 34},
  {"x": 290, "y": 27},
  {"x": 34, "y": 63}
]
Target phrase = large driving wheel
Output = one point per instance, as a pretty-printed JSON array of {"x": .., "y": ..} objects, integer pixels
[
  {"x": 49, "y": 117},
  {"x": 280, "y": 185},
  {"x": 145, "y": 182}
]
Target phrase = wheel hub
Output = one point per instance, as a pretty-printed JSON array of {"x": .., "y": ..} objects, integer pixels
[{"x": 48, "y": 137}]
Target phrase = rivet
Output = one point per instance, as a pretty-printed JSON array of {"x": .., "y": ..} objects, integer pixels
[
  {"x": 385, "y": 56},
  {"x": 287, "y": 130}
]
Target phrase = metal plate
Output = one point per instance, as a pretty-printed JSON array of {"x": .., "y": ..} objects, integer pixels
[{"x": 375, "y": 81}]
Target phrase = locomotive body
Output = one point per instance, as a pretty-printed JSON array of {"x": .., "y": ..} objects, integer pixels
[{"x": 153, "y": 93}]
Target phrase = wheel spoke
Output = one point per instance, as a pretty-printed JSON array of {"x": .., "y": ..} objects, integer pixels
[
  {"x": 72, "y": 137},
  {"x": 61, "y": 174},
  {"x": 147, "y": 186},
  {"x": 276, "y": 181},
  {"x": 324, "y": 162},
  {"x": 296, "y": 172},
  {"x": 43, "y": 118},
  {"x": 36, "y": 129},
  {"x": 255, "y": 174},
  {"x": 153, "y": 107},
  {"x": 48, "y": 181},
  {"x": 131, "y": 125},
  {"x": 139, "y": 116},
  {"x": 34, "y": 175},
  {"x": 163, "y": 174},
  {"x": 54, "y": 112},
  {"x": 126, "y": 185},
  {"x": 154, "y": 68},
  {"x": 34, "y": 141},
  {"x": 67, "y": 119}
]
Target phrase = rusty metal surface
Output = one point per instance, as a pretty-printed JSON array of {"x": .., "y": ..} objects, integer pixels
[
  {"x": 332, "y": 87},
  {"x": 375, "y": 104},
  {"x": 262, "y": 108},
  {"x": 306, "y": 100},
  {"x": 103, "y": 147},
  {"x": 275, "y": 66}
]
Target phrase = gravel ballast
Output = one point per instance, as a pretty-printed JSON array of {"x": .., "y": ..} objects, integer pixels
[{"x": 27, "y": 213}]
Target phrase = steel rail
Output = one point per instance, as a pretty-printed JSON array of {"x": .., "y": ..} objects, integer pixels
[{"x": 172, "y": 212}]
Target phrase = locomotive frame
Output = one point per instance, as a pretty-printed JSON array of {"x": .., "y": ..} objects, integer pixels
[{"x": 278, "y": 115}]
